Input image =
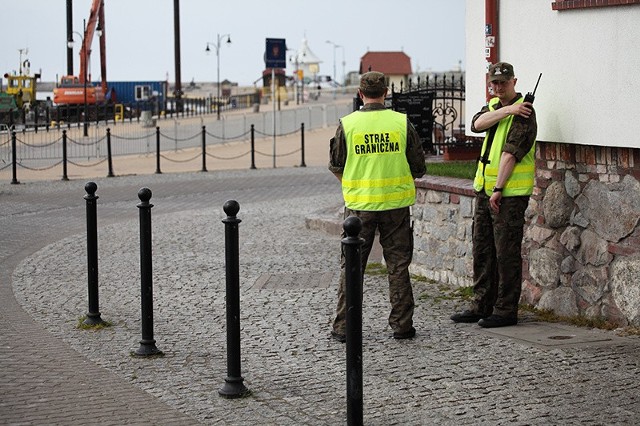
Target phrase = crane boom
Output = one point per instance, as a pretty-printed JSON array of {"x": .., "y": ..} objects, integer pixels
[
  {"x": 71, "y": 89},
  {"x": 97, "y": 8},
  {"x": 103, "y": 48}
]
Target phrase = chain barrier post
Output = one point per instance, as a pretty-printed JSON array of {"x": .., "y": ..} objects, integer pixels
[
  {"x": 253, "y": 147},
  {"x": 35, "y": 118},
  {"x": 204, "y": 149},
  {"x": 14, "y": 160},
  {"x": 148, "y": 343},
  {"x": 302, "y": 164},
  {"x": 158, "y": 150},
  {"x": 233, "y": 386},
  {"x": 64, "y": 155},
  {"x": 109, "y": 157},
  {"x": 93, "y": 316},
  {"x": 351, "y": 246}
]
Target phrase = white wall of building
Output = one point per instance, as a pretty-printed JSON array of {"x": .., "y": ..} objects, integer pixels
[{"x": 590, "y": 65}]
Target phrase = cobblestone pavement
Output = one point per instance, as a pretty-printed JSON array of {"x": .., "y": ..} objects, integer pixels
[{"x": 51, "y": 372}]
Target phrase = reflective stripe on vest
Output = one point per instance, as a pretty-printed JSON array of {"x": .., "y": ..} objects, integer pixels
[
  {"x": 376, "y": 175},
  {"x": 522, "y": 177}
]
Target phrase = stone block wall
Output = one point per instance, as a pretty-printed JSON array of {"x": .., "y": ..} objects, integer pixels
[
  {"x": 581, "y": 249},
  {"x": 442, "y": 219}
]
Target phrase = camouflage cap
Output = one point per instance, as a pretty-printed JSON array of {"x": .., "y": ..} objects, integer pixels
[
  {"x": 373, "y": 82},
  {"x": 500, "y": 71}
]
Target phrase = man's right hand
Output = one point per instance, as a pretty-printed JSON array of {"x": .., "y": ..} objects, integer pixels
[{"x": 523, "y": 109}]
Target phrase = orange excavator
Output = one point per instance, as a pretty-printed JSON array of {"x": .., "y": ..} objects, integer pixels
[{"x": 78, "y": 90}]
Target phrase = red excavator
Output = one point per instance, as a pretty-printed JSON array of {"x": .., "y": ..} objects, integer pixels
[{"x": 78, "y": 90}]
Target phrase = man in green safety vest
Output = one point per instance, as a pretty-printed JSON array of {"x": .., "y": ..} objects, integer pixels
[
  {"x": 503, "y": 183},
  {"x": 376, "y": 154}
]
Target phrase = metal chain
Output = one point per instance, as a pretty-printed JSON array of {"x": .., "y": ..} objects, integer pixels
[
  {"x": 279, "y": 155},
  {"x": 132, "y": 138},
  {"x": 73, "y": 141},
  {"x": 39, "y": 146},
  {"x": 223, "y": 138},
  {"x": 180, "y": 139},
  {"x": 38, "y": 169},
  {"x": 179, "y": 161},
  {"x": 229, "y": 158},
  {"x": 87, "y": 165}
]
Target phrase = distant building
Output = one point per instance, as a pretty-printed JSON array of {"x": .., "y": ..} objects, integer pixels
[
  {"x": 395, "y": 65},
  {"x": 306, "y": 61}
]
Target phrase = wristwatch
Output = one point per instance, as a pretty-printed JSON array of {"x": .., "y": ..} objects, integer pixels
[{"x": 496, "y": 189}]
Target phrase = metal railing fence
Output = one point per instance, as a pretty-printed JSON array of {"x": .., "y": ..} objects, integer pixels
[{"x": 51, "y": 146}]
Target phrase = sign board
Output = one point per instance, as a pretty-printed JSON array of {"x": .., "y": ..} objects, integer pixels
[
  {"x": 419, "y": 109},
  {"x": 276, "y": 53}
]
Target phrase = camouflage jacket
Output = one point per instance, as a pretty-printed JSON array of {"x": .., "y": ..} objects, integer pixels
[{"x": 522, "y": 133}]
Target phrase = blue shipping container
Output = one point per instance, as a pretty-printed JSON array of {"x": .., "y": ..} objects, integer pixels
[{"x": 147, "y": 95}]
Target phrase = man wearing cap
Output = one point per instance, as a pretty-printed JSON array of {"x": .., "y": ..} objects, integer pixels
[
  {"x": 503, "y": 183},
  {"x": 376, "y": 154}
]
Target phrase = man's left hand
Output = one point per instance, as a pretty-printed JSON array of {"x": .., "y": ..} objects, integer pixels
[{"x": 494, "y": 202}]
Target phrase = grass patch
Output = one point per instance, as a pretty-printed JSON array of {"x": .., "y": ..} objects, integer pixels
[
  {"x": 375, "y": 269},
  {"x": 445, "y": 292},
  {"x": 82, "y": 326},
  {"x": 421, "y": 279},
  {"x": 464, "y": 293},
  {"x": 457, "y": 169},
  {"x": 547, "y": 315}
]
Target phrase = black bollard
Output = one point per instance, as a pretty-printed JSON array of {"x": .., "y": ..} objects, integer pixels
[
  {"x": 302, "y": 164},
  {"x": 253, "y": 147},
  {"x": 64, "y": 155},
  {"x": 93, "y": 316},
  {"x": 351, "y": 246},
  {"x": 158, "y": 151},
  {"x": 148, "y": 343},
  {"x": 109, "y": 157},
  {"x": 14, "y": 160},
  {"x": 233, "y": 384},
  {"x": 204, "y": 149}
]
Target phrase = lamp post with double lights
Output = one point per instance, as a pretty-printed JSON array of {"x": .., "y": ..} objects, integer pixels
[
  {"x": 299, "y": 83},
  {"x": 85, "y": 59},
  {"x": 70, "y": 44},
  {"x": 335, "y": 46},
  {"x": 217, "y": 46}
]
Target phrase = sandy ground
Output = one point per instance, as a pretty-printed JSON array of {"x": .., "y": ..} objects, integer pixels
[{"x": 229, "y": 156}]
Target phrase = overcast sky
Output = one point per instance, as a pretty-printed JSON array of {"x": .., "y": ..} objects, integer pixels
[{"x": 140, "y": 36}]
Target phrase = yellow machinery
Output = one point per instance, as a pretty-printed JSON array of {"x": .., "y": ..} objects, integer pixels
[{"x": 22, "y": 88}]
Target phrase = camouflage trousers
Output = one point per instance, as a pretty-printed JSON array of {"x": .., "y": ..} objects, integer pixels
[
  {"x": 497, "y": 258},
  {"x": 396, "y": 239}
]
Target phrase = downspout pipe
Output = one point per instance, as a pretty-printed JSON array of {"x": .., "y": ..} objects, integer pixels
[{"x": 491, "y": 39}]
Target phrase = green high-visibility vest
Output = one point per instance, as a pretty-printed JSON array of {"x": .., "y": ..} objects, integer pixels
[
  {"x": 376, "y": 175},
  {"x": 522, "y": 178}
]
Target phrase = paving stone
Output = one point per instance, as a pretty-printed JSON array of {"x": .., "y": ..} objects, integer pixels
[{"x": 450, "y": 374}]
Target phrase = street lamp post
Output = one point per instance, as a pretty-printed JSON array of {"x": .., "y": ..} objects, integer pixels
[
  {"x": 344, "y": 76},
  {"x": 86, "y": 75},
  {"x": 297, "y": 80},
  {"x": 335, "y": 46},
  {"x": 85, "y": 51},
  {"x": 217, "y": 46},
  {"x": 84, "y": 82}
]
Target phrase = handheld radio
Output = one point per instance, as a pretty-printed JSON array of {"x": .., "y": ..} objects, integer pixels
[{"x": 530, "y": 97}]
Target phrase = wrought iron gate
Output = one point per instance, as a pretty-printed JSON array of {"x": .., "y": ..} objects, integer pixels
[{"x": 435, "y": 106}]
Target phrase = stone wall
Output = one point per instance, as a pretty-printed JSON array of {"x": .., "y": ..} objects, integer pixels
[
  {"x": 582, "y": 243},
  {"x": 442, "y": 218},
  {"x": 581, "y": 250}
]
